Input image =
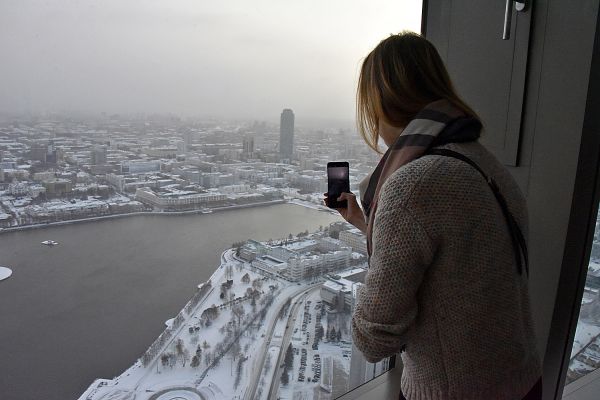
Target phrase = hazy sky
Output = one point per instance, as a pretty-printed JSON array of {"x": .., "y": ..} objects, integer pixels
[{"x": 229, "y": 58}]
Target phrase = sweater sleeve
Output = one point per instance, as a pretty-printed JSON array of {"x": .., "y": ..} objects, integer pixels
[{"x": 386, "y": 304}]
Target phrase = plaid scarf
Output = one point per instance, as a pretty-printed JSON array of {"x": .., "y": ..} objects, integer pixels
[{"x": 437, "y": 124}]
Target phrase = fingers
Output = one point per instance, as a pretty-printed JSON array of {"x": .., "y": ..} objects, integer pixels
[{"x": 346, "y": 196}]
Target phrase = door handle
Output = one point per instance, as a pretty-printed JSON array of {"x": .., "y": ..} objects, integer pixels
[{"x": 519, "y": 6}]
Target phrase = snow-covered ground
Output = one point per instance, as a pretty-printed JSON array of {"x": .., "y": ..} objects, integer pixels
[
  {"x": 584, "y": 334},
  {"x": 236, "y": 331},
  {"x": 5, "y": 273},
  {"x": 311, "y": 204},
  {"x": 230, "y": 341},
  {"x": 594, "y": 266}
]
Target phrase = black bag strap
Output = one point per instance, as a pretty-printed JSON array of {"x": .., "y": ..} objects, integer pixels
[{"x": 518, "y": 241}]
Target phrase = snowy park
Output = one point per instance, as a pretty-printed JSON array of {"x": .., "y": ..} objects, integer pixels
[{"x": 245, "y": 334}]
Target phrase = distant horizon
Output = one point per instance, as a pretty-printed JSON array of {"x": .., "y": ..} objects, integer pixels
[{"x": 311, "y": 122}]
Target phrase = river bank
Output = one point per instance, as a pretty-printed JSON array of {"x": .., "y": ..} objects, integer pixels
[{"x": 125, "y": 215}]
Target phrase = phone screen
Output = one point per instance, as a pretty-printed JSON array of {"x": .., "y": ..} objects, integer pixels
[{"x": 338, "y": 181}]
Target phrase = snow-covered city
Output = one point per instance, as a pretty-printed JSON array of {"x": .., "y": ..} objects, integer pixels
[{"x": 273, "y": 321}]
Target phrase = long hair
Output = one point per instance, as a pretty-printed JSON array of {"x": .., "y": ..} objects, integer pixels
[{"x": 397, "y": 79}]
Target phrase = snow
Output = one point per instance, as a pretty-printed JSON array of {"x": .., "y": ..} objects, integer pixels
[
  {"x": 333, "y": 351},
  {"x": 254, "y": 353},
  {"x": 594, "y": 266},
  {"x": 334, "y": 286},
  {"x": 314, "y": 205},
  {"x": 179, "y": 394},
  {"x": 5, "y": 273},
  {"x": 301, "y": 244},
  {"x": 584, "y": 334},
  {"x": 156, "y": 377}
]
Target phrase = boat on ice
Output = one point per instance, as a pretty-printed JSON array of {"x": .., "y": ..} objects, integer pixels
[{"x": 49, "y": 243}]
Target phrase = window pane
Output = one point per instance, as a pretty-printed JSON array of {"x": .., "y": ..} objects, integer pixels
[
  {"x": 171, "y": 156},
  {"x": 585, "y": 354}
]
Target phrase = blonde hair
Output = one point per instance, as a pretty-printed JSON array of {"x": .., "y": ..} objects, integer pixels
[{"x": 397, "y": 79}]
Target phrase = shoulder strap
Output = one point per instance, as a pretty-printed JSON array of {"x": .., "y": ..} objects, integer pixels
[{"x": 518, "y": 241}]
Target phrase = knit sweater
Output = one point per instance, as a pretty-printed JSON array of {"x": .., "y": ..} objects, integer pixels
[{"x": 442, "y": 283}]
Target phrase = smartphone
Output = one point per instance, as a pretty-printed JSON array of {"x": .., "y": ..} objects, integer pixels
[{"x": 338, "y": 181}]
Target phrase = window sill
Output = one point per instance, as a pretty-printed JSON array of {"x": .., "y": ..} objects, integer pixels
[
  {"x": 584, "y": 388},
  {"x": 385, "y": 386}
]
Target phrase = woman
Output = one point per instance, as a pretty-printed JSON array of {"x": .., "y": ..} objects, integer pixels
[{"x": 447, "y": 277}]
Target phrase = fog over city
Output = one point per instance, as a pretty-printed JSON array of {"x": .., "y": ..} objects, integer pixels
[{"x": 191, "y": 57}]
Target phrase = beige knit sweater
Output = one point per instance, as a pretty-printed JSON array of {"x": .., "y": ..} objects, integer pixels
[{"x": 442, "y": 282}]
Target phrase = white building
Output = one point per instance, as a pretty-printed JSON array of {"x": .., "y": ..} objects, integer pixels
[
  {"x": 355, "y": 239},
  {"x": 175, "y": 200},
  {"x": 140, "y": 166},
  {"x": 18, "y": 189},
  {"x": 339, "y": 291},
  {"x": 305, "y": 266}
]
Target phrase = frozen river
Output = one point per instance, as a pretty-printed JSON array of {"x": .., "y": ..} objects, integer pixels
[{"x": 90, "y": 306}]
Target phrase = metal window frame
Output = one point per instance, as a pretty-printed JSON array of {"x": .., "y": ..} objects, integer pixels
[{"x": 580, "y": 234}]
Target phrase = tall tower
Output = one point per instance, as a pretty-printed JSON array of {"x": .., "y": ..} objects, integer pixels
[
  {"x": 286, "y": 134},
  {"x": 99, "y": 155},
  {"x": 248, "y": 145}
]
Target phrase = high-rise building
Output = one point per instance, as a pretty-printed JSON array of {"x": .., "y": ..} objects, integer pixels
[
  {"x": 248, "y": 145},
  {"x": 38, "y": 152},
  {"x": 188, "y": 138},
  {"x": 98, "y": 155},
  {"x": 286, "y": 134}
]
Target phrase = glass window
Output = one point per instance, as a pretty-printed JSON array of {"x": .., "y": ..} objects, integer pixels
[
  {"x": 162, "y": 166},
  {"x": 585, "y": 354}
]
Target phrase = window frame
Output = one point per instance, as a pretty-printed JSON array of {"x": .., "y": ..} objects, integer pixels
[{"x": 578, "y": 243}]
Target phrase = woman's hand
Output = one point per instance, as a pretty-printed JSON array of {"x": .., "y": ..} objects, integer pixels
[{"x": 352, "y": 213}]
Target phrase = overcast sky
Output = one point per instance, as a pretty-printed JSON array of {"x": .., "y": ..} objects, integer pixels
[{"x": 228, "y": 58}]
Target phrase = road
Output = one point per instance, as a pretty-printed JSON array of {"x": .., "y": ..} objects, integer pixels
[
  {"x": 258, "y": 366},
  {"x": 285, "y": 340}
]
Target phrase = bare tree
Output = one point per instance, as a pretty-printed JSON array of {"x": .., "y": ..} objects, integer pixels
[
  {"x": 172, "y": 360},
  {"x": 257, "y": 284},
  {"x": 179, "y": 346},
  {"x": 285, "y": 378},
  {"x": 195, "y": 362},
  {"x": 238, "y": 311},
  {"x": 185, "y": 357},
  {"x": 235, "y": 349},
  {"x": 164, "y": 359},
  {"x": 246, "y": 278}
]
